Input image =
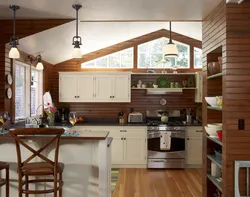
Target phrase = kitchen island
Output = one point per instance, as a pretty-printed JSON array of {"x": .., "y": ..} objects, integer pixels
[{"x": 86, "y": 157}]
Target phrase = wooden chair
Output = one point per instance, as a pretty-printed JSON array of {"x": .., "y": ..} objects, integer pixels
[
  {"x": 5, "y": 166},
  {"x": 45, "y": 168}
]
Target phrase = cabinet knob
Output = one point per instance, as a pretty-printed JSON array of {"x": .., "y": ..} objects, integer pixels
[
  {"x": 123, "y": 130},
  {"x": 188, "y": 138},
  {"x": 198, "y": 131},
  {"x": 110, "y": 96},
  {"x": 125, "y": 138}
]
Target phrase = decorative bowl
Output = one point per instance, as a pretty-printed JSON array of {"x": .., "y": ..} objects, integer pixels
[{"x": 219, "y": 133}]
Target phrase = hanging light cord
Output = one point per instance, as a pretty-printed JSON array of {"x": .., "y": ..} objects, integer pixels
[
  {"x": 77, "y": 40},
  {"x": 170, "y": 33},
  {"x": 14, "y": 39}
]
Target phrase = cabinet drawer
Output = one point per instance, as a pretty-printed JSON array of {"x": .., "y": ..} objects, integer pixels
[{"x": 194, "y": 131}]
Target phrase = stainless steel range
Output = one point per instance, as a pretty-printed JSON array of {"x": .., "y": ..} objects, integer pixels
[{"x": 174, "y": 132}]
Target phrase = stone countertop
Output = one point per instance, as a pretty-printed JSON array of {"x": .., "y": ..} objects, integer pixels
[
  {"x": 84, "y": 135},
  {"x": 99, "y": 124}
]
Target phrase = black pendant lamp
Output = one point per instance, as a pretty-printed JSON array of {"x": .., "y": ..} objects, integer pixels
[
  {"x": 77, "y": 40},
  {"x": 14, "y": 53},
  {"x": 171, "y": 49}
]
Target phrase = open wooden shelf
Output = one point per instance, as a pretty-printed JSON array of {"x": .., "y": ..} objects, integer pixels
[
  {"x": 215, "y": 108},
  {"x": 193, "y": 88},
  {"x": 163, "y": 73},
  {"x": 216, "y": 140},
  {"x": 215, "y": 76},
  {"x": 213, "y": 159},
  {"x": 214, "y": 181}
]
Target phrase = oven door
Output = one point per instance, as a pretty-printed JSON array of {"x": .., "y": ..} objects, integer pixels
[{"x": 177, "y": 149}]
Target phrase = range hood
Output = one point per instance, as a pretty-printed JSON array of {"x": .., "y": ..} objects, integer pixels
[{"x": 162, "y": 91}]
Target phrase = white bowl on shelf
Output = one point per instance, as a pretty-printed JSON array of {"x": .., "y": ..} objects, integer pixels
[
  {"x": 215, "y": 125},
  {"x": 212, "y": 132},
  {"x": 211, "y": 101}
]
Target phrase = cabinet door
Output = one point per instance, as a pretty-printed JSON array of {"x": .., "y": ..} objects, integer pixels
[
  {"x": 121, "y": 85},
  {"x": 117, "y": 151},
  {"x": 68, "y": 88},
  {"x": 85, "y": 86},
  {"x": 103, "y": 88},
  {"x": 135, "y": 150},
  {"x": 194, "y": 150}
]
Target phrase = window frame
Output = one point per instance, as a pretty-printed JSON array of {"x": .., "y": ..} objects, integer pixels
[
  {"x": 39, "y": 110},
  {"x": 107, "y": 61},
  {"x": 194, "y": 58},
  {"x": 27, "y": 90},
  {"x": 175, "y": 42}
]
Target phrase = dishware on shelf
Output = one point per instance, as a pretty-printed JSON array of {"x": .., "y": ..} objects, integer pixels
[
  {"x": 163, "y": 101},
  {"x": 72, "y": 118},
  {"x": 211, "y": 101},
  {"x": 212, "y": 132},
  {"x": 219, "y": 100},
  {"x": 172, "y": 85},
  {"x": 143, "y": 85},
  {"x": 155, "y": 86},
  {"x": 218, "y": 154},
  {"x": 163, "y": 82},
  {"x": 176, "y": 85},
  {"x": 138, "y": 85},
  {"x": 184, "y": 83},
  {"x": 215, "y": 170},
  {"x": 217, "y": 126},
  {"x": 219, "y": 133}
]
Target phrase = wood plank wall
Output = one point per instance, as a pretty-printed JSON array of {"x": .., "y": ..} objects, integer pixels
[
  {"x": 228, "y": 26},
  {"x": 214, "y": 36},
  {"x": 24, "y": 28},
  {"x": 140, "y": 101},
  {"x": 236, "y": 90}
]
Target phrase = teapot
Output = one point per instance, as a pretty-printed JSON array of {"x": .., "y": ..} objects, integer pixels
[{"x": 164, "y": 117}]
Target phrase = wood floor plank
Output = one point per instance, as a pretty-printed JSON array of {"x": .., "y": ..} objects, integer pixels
[{"x": 158, "y": 183}]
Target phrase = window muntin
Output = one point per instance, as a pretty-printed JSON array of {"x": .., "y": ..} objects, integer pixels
[
  {"x": 197, "y": 58},
  {"x": 121, "y": 59},
  {"x": 150, "y": 55}
]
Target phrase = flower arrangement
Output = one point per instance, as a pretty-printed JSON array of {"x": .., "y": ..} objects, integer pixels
[{"x": 50, "y": 111}]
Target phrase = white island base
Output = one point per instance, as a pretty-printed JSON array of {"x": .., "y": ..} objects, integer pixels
[{"x": 87, "y": 160}]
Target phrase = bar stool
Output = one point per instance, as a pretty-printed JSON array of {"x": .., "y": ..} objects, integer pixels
[
  {"x": 46, "y": 167},
  {"x": 5, "y": 166}
]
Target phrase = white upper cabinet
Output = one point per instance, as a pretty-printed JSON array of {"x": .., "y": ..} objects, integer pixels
[
  {"x": 68, "y": 88},
  {"x": 85, "y": 85},
  {"x": 94, "y": 87},
  {"x": 103, "y": 87},
  {"x": 121, "y": 88}
]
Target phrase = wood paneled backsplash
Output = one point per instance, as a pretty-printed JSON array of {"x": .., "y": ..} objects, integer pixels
[{"x": 139, "y": 100}]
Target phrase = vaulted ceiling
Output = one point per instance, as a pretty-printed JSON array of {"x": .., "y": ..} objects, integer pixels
[{"x": 105, "y": 23}]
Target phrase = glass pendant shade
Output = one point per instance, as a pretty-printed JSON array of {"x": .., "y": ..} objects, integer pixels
[
  {"x": 171, "y": 50},
  {"x": 14, "y": 53},
  {"x": 39, "y": 66},
  {"x": 77, "y": 53}
]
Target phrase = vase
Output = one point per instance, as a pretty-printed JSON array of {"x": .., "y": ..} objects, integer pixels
[{"x": 51, "y": 119}]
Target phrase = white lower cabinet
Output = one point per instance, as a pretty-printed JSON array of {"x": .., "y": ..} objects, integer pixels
[
  {"x": 135, "y": 150},
  {"x": 194, "y": 145},
  {"x": 129, "y": 145}
]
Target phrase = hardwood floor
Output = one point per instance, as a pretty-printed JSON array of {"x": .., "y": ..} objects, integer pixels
[{"x": 158, "y": 183}]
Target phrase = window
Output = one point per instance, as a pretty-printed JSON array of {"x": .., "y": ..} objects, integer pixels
[
  {"x": 28, "y": 91},
  {"x": 22, "y": 90},
  {"x": 121, "y": 59},
  {"x": 197, "y": 58},
  {"x": 36, "y": 92},
  {"x": 150, "y": 55}
]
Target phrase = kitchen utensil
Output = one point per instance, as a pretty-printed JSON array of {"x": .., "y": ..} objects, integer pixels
[
  {"x": 163, "y": 101},
  {"x": 163, "y": 82}
]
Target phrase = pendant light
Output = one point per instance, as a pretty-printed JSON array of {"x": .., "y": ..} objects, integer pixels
[
  {"x": 39, "y": 65},
  {"x": 14, "y": 53},
  {"x": 171, "y": 49},
  {"x": 77, "y": 40}
]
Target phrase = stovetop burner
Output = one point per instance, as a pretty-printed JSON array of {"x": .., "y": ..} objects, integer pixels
[{"x": 159, "y": 123}]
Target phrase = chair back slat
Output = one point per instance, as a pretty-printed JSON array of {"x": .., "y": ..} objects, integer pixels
[{"x": 17, "y": 134}]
